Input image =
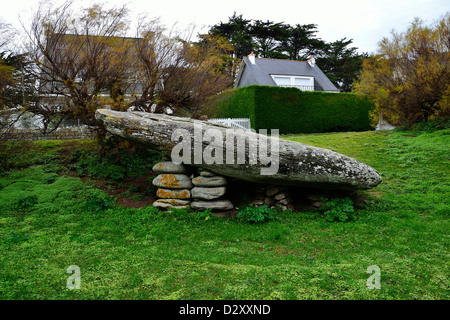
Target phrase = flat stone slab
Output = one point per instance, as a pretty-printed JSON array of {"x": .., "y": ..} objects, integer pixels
[
  {"x": 174, "y": 202},
  {"x": 169, "y": 167},
  {"x": 173, "y": 193},
  {"x": 224, "y": 205},
  {"x": 205, "y": 173},
  {"x": 297, "y": 164},
  {"x": 216, "y": 181},
  {"x": 164, "y": 205},
  {"x": 172, "y": 181},
  {"x": 207, "y": 193}
]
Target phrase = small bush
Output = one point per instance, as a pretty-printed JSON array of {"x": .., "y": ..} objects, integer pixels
[
  {"x": 53, "y": 168},
  {"x": 207, "y": 214},
  {"x": 98, "y": 203},
  {"x": 256, "y": 214},
  {"x": 118, "y": 158},
  {"x": 27, "y": 202},
  {"x": 51, "y": 179},
  {"x": 338, "y": 209},
  {"x": 17, "y": 237},
  {"x": 431, "y": 126}
]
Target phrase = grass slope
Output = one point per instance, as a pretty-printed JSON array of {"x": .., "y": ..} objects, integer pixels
[{"x": 126, "y": 253}]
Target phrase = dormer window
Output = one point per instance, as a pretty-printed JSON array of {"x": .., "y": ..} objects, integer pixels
[{"x": 303, "y": 83}]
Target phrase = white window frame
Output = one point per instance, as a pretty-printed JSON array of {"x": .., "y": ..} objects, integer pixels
[{"x": 309, "y": 87}]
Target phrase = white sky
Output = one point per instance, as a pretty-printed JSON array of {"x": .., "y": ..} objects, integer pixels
[{"x": 364, "y": 21}]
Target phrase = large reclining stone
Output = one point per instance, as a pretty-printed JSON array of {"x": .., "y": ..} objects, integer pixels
[{"x": 299, "y": 164}]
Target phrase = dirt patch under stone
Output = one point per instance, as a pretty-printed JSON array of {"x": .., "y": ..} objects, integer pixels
[{"x": 135, "y": 193}]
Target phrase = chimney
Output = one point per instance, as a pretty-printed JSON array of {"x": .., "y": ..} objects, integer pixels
[
  {"x": 312, "y": 61},
  {"x": 251, "y": 57}
]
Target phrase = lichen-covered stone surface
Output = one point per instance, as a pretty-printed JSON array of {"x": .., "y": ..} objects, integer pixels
[
  {"x": 172, "y": 181},
  {"x": 173, "y": 193},
  {"x": 169, "y": 167},
  {"x": 299, "y": 164},
  {"x": 216, "y": 181}
]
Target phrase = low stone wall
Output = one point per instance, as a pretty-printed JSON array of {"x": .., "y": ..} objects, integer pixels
[{"x": 70, "y": 133}]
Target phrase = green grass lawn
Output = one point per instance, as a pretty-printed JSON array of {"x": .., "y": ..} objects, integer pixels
[{"x": 51, "y": 221}]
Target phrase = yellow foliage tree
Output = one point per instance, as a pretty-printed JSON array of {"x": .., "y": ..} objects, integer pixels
[{"x": 409, "y": 76}]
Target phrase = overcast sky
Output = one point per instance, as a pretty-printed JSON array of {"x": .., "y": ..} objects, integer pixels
[{"x": 364, "y": 21}]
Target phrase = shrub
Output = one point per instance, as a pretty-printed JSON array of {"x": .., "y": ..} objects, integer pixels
[
  {"x": 17, "y": 237},
  {"x": 237, "y": 103},
  {"x": 338, "y": 209},
  {"x": 27, "y": 202},
  {"x": 293, "y": 111},
  {"x": 98, "y": 203},
  {"x": 207, "y": 214},
  {"x": 256, "y": 214},
  {"x": 50, "y": 179},
  {"x": 119, "y": 163},
  {"x": 432, "y": 126}
]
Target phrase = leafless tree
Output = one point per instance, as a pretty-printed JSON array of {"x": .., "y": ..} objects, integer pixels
[
  {"x": 86, "y": 60},
  {"x": 7, "y": 34},
  {"x": 80, "y": 58},
  {"x": 175, "y": 74}
]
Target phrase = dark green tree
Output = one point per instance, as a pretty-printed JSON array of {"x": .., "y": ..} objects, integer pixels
[
  {"x": 299, "y": 42},
  {"x": 266, "y": 36},
  {"x": 341, "y": 63},
  {"x": 237, "y": 32},
  {"x": 269, "y": 39}
]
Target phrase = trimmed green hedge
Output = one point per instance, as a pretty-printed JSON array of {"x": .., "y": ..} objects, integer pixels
[
  {"x": 293, "y": 111},
  {"x": 236, "y": 103}
]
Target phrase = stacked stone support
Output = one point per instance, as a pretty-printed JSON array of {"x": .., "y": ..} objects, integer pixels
[
  {"x": 208, "y": 191},
  {"x": 174, "y": 186}
]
